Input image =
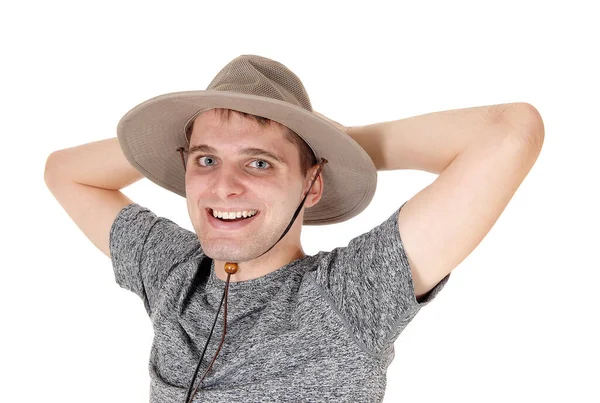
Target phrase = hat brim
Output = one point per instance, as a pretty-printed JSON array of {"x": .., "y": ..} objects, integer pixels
[{"x": 151, "y": 132}]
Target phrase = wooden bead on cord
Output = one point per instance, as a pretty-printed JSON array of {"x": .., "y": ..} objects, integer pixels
[{"x": 231, "y": 268}]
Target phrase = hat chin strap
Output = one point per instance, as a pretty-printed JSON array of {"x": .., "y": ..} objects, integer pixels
[{"x": 232, "y": 268}]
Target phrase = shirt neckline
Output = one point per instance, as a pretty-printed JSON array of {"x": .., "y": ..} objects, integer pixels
[{"x": 273, "y": 277}]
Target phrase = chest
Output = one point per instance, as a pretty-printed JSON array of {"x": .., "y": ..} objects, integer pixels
[{"x": 294, "y": 337}]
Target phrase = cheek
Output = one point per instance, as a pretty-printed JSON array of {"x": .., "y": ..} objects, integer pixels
[
  {"x": 195, "y": 193},
  {"x": 195, "y": 185}
]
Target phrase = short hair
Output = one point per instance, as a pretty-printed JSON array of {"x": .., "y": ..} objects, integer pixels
[{"x": 307, "y": 157}]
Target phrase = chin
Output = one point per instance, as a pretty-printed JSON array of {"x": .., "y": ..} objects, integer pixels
[{"x": 226, "y": 254}]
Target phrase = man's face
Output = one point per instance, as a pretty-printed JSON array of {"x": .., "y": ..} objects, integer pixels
[{"x": 230, "y": 179}]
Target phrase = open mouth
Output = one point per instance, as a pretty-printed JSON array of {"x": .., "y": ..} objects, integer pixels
[{"x": 230, "y": 220}]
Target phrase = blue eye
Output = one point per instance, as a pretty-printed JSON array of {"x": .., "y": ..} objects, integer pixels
[
  {"x": 264, "y": 162},
  {"x": 199, "y": 158}
]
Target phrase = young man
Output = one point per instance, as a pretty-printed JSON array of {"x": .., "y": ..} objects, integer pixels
[{"x": 294, "y": 327}]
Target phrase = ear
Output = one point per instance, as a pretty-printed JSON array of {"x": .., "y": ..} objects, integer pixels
[{"x": 316, "y": 192}]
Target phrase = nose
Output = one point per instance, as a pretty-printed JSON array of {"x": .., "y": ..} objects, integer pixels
[{"x": 226, "y": 181}]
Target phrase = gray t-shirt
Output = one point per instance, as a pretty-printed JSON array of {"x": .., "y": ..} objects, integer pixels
[{"x": 319, "y": 329}]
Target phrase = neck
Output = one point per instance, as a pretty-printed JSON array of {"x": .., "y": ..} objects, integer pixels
[{"x": 260, "y": 266}]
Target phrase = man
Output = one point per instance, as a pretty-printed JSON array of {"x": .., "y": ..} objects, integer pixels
[{"x": 258, "y": 164}]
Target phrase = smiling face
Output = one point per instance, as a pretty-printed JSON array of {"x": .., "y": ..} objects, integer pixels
[{"x": 225, "y": 172}]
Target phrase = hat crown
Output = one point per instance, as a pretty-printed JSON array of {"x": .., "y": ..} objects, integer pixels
[{"x": 257, "y": 75}]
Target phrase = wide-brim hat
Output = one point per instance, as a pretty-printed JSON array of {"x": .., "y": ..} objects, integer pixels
[{"x": 151, "y": 133}]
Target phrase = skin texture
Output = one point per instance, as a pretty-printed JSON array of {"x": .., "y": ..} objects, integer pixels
[{"x": 228, "y": 180}]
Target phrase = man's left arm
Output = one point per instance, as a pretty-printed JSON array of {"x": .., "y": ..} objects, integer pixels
[{"x": 482, "y": 154}]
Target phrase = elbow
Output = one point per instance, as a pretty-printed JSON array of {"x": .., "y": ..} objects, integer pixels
[
  {"x": 50, "y": 168},
  {"x": 525, "y": 122}
]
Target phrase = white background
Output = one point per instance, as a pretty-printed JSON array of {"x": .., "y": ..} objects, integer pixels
[{"x": 518, "y": 320}]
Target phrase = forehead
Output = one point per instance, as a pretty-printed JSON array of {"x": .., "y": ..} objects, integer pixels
[{"x": 211, "y": 125}]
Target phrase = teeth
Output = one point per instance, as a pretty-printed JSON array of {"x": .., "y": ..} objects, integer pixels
[{"x": 234, "y": 214}]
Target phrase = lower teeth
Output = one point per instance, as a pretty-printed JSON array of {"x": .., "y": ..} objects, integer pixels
[{"x": 233, "y": 219}]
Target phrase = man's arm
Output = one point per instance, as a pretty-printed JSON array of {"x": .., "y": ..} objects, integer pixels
[
  {"x": 86, "y": 181},
  {"x": 482, "y": 155}
]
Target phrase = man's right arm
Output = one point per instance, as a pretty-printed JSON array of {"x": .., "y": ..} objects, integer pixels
[{"x": 86, "y": 180}]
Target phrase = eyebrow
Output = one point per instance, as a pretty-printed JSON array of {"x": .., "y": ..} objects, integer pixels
[{"x": 251, "y": 151}]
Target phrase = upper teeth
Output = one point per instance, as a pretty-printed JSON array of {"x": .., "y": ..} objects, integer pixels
[{"x": 233, "y": 214}]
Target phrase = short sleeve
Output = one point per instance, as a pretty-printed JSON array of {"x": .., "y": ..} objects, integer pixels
[
  {"x": 370, "y": 283},
  {"x": 144, "y": 248}
]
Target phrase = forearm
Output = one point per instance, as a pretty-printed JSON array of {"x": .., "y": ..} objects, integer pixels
[
  {"x": 430, "y": 142},
  {"x": 100, "y": 164}
]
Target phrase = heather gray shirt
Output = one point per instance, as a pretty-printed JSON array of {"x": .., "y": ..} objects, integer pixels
[{"x": 320, "y": 329}]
